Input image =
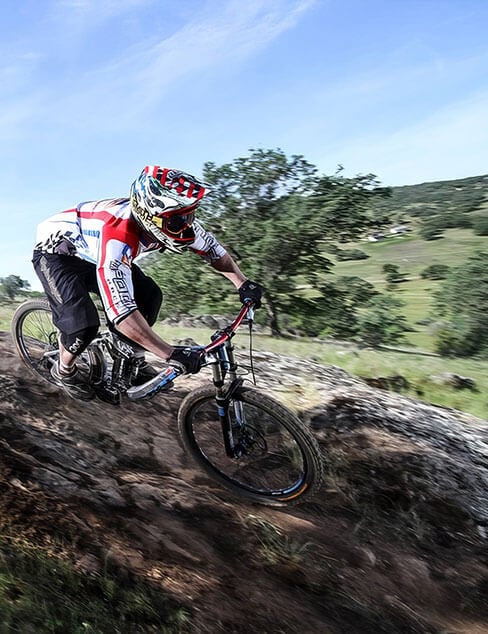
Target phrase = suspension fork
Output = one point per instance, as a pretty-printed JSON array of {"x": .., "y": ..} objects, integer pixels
[
  {"x": 223, "y": 401},
  {"x": 223, "y": 396}
]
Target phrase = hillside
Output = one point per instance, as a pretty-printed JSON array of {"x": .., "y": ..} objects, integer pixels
[
  {"x": 410, "y": 206},
  {"x": 464, "y": 195},
  {"x": 106, "y": 526}
]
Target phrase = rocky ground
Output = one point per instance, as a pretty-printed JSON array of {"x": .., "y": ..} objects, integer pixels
[{"x": 395, "y": 542}]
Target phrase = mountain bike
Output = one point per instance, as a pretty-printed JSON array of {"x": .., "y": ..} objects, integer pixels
[{"x": 244, "y": 439}]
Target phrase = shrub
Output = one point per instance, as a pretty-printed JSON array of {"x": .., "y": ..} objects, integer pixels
[
  {"x": 432, "y": 229},
  {"x": 392, "y": 274},
  {"x": 380, "y": 323},
  {"x": 351, "y": 254},
  {"x": 480, "y": 225},
  {"x": 435, "y": 272},
  {"x": 447, "y": 341},
  {"x": 462, "y": 300}
]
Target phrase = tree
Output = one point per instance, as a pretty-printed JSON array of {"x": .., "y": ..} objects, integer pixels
[
  {"x": 380, "y": 323},
  {"x": 462, "y": 301},
  {"x": 435, "y": 272},
  {"x": 480, "y": 225},
  {"x": 334, "y": 310},
  {"x": 12, "y": 285},
  {"x": 279, "y": 214},
  {"x": 392, "y": 274}
]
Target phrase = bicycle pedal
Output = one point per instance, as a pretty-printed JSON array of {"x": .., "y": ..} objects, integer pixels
[{"x": 108, "y": 395}]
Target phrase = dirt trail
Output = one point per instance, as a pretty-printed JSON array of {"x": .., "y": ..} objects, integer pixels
[{"x": 396, "y": 541}]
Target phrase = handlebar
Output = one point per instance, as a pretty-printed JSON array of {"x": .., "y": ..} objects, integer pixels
[
  {"x": 168, "y": 374},
  {"x": 220, "y": 337}
]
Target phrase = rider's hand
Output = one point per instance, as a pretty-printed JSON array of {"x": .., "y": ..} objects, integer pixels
[
  {"x": 189, "y": 360},
  {"x": 251, "y": 292}
]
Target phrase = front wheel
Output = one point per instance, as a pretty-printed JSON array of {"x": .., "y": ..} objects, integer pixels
[{"x": 279, "y": 463}]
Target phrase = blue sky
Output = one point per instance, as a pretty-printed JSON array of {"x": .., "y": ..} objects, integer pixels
[{"x": 93, "y": 90}]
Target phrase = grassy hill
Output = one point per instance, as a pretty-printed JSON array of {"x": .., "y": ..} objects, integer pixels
[
  {"x": 464, "y": 195},
  {"x": 412, "y": 205},
  {"x": 412, "y": 255}
]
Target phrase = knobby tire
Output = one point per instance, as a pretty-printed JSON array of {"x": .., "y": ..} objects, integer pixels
[{"x": 281, "y": 444}]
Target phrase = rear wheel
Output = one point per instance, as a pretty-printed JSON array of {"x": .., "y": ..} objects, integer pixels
[
  {"x": 36, "y": 339},
  {"x": 279, "y": 463}
]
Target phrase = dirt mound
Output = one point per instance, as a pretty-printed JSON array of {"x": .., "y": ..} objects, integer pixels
[{"x": 396, "y": 541}]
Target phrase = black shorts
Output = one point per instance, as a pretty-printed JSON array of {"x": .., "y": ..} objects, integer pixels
[{"x": 68, "y": 282}]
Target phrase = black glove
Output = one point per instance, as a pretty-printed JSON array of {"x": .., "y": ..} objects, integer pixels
[
  {"x": 189, "y": 360},
  {"x": 251, "y": 292}
]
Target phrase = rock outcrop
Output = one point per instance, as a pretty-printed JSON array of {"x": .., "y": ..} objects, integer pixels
[{"x": 395, "y": 542}]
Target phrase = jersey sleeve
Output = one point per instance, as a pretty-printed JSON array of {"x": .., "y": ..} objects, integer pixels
[
  {"x": 115, "y": 278},
  {"x": 206, "y": 244}
]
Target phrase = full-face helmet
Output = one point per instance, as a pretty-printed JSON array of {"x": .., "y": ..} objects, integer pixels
[{"x": 163, "y": 202}]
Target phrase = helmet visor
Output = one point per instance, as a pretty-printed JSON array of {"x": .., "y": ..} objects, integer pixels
[{"x": 176, "y": 223}]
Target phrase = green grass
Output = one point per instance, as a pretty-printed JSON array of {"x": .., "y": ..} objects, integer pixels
[
  {"x": 412, "y": 255},
  {"x": 42, "y": 592},
  {"x": 6, "y": 317}
]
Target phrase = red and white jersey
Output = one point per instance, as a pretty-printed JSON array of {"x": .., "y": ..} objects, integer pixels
[{"x": 105, "y": 233}]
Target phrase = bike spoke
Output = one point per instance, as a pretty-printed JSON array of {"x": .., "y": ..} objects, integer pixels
[
  {"x": 37, "y": 338},
  {"x": 271, "y": 460}
]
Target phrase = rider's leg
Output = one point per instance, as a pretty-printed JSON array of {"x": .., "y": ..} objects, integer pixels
[
  {"x": 73, "y": 344},
  {"x": 67, "y": 281},
  {"x": 149, "y": 298}
]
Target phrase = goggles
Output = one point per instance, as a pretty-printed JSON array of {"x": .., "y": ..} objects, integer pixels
[{"x": 175, "y": 223}]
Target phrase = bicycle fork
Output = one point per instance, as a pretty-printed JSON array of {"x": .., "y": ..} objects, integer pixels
[
  {"x": 223, "y": 400},
  {"x": 232, "y": 448}
]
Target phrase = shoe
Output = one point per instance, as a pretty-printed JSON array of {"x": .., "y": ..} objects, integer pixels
[
  {"x": 75, "y": 385},
  {"x": 145, "y": 373}
]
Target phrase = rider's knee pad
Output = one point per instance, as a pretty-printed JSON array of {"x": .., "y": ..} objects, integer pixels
[{"x": 76, "y": 342}]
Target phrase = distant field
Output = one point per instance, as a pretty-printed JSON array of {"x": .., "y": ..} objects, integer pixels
[{"x": 412, "y": 255}]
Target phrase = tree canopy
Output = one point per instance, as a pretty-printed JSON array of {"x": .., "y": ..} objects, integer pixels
[
  {"x": 12, "y": 285},
  {"x": 463, "y": 301},
  {"x": 276, "y": 214}
]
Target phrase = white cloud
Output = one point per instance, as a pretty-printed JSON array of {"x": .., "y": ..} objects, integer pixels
[
  {"x": 214, "y": 35},
  {"x": 205, "y": 43},
  {"x": 449, "y": 143}
]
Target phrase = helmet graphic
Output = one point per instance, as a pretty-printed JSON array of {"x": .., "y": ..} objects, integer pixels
[{"x": 163, "y": 202}]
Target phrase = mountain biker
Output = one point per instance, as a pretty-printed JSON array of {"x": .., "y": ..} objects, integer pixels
[{"x": 91, "y": 249}]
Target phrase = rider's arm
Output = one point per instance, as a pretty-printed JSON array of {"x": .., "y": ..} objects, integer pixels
[
  {"x": 137, "y": 329},
  {"x": 117, "y": 291},
  {"x": 229, "y": 269},
  {"x": 209, "y": 248}
]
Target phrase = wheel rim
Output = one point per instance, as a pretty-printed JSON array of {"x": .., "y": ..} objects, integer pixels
[
  {"x": 37, "y": 339},
  {"x": 272, "y": 461}
]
